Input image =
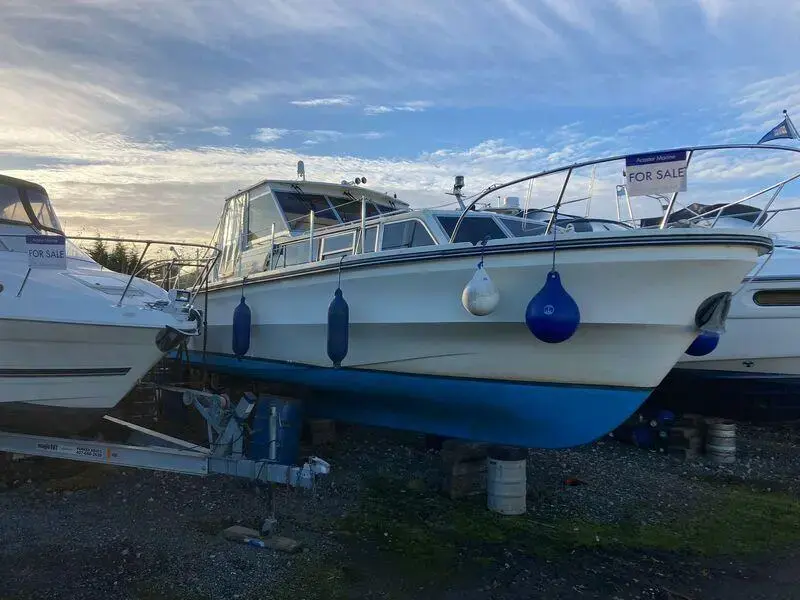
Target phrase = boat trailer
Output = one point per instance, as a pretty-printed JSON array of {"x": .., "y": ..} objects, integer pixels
[{"x": 225, "y": 454}]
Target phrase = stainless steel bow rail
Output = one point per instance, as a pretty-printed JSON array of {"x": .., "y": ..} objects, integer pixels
[
  {"x": 570, "y": 169},
  {"x": 224, "y": 454},
  {"x": 203, "y": 263}
]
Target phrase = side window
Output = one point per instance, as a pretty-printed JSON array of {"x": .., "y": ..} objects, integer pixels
[
  {"x": 473, "y": 229},
  {"x": 297, "y": 252},
  {"x": 405, "y": 234},
  {"x": 338, "y": 245},
  {"x": 370, "y": 237}
]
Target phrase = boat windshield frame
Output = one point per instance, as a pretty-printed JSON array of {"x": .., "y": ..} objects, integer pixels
[{"x": 22, "y": 188}]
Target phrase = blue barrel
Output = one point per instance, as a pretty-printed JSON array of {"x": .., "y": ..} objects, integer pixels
[{"x": 277, "y": 425}]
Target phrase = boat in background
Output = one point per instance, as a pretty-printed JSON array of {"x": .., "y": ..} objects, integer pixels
[
  {"x": 359, "y": 303},
  {"x": 753, "y": 374},
  {"x": 74, "y": 336}
]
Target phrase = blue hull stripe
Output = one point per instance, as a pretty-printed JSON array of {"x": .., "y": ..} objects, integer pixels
[{"x": 532, "y": 415}]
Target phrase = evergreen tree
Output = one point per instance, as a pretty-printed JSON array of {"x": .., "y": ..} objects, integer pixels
[
  {"x": 133, "y": 257},
  {"x": 118, "y": 259},
  {"x": 99, "y": 253}
]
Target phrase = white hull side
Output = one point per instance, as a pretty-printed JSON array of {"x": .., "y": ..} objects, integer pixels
[
  {"x": 759, "y": 339},
  {"x": 407, "y": 317},
  {"x": 50, "y": 352}
]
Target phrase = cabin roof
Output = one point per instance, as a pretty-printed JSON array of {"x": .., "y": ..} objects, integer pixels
[
  {"x": 327, "y": 187},
  {"x": 13, "y": 181}
]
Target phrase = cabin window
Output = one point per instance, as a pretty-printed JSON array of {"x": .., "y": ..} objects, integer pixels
[
  {"x": 386, "y": 209},
  {"x": 296, "y": 207},
  {"x": 777, "y": 298},
  {"x": 42, "y": 210},
  {"x": 472, "y": 229},
  {"x": 405, "y": 234},
  {"x": 370, "y": 237},
  {"x": 349, "y": 209},
  {"x": 11, "y": 206},
  {"x": 262, "y": 214},
  {"x": 522, "y": 228},
  {"x": 338, "y": 245}
]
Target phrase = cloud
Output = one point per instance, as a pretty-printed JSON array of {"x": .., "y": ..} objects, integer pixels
[
  {"x": 763, "y": 101},
  {"x": 313, "y": 136},
  {"x": 334, "y": 101},
  {"x": 378, "y": 110},
  {"x": 217, "y": 130},
  {"x": 638, "y": 127},
  {"x": 382, "y": 109},
  {"x": 269, "y": 134}
]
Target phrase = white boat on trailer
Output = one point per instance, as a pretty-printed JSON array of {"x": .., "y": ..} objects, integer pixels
[
  {"x": 74, "y": 338},
  {"x": 416, "y": 359}
]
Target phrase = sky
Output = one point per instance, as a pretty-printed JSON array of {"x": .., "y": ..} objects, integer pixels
[{"x": 141, "y": 116}]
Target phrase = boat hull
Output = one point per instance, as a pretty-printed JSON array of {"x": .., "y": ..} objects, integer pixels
[
  {"x": 502, "y": 412},
  {"x": 59, "y": 378},
  {"x": 428, "y": 365}
]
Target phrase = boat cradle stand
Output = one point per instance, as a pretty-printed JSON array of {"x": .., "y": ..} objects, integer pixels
[{"x": 224, "y": 455}]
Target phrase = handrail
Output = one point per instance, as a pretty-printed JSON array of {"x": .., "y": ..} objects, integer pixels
[
  {"x": 499, "y": 186},
  {"x": 209, "y": 262},
  {"x": 778, "y": 187}
]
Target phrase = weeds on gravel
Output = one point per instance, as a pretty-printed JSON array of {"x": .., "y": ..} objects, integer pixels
[
  {"x": 320, "y": 582},
  {"x": 432, "y": 536}
]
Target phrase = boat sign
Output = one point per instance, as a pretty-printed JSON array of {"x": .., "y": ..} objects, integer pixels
[
  {"x": 47, "y": 251},
  {"x": 656, "y": 173}
]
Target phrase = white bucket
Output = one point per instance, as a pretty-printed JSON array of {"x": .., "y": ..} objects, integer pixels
[{"x": 506, "y": 487}]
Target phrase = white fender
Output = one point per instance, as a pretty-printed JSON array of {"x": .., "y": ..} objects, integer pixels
[{"x": 480, "y": 296}]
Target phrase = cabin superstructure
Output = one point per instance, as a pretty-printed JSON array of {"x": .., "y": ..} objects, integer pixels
[{"x": 278, "y": 224}]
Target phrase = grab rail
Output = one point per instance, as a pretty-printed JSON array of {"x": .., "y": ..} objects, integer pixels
[
  {"x": 570, "y": 168},
  {"x": 208, "y": 261}
]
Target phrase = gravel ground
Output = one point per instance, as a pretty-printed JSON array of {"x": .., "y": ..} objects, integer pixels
[
  {"x": 69, "y": 530},
  {"x": 622, "y": 481}
]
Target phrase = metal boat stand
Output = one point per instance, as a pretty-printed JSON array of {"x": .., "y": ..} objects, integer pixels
[{"x": 224, "y": 455}]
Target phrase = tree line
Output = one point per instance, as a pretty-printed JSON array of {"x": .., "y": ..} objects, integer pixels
[{"x": 123, "y": 258}]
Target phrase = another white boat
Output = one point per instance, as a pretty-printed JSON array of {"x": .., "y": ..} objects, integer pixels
[
  {"x": 416, "y": 359},
  {"x": 73, "y": 340},
  {"x": 754, "y": 371}
]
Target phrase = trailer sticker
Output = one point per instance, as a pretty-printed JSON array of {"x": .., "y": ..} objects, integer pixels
[{"x": 84, "y": 451}]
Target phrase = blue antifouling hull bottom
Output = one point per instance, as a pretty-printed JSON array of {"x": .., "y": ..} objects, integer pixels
[{"x": 531, "y": 415}]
